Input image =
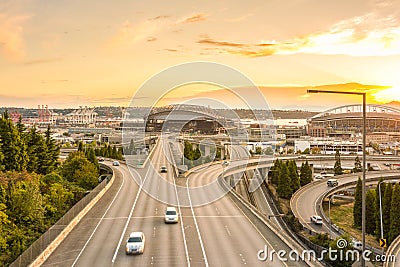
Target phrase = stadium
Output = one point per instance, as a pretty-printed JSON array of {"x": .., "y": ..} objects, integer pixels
[{"x": 347, "y": 120}]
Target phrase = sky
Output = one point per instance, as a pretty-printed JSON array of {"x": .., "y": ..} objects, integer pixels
[{"x": 75, "y": 53}]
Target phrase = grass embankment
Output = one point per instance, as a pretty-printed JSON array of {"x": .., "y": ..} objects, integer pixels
[{"x": 342, "y": 216}]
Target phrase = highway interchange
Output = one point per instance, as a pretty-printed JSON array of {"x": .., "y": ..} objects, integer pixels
[
  {"x": 214, "y": 234},
  {"x": 213, "y": 230}
]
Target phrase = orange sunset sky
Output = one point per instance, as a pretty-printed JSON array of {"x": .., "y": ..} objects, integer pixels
[{"x": 68, "y": 53}]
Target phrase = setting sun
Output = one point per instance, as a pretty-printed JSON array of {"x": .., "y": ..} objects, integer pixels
[{"x": 388, "y": 95}]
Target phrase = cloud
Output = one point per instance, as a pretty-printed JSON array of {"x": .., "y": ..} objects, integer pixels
[
  {"x": 367, "y": 35},
  {"x": 42, "y": 61},
  {"x": 240, "y": 18},
  {"x": 159, "y": 17},
  {"x": 192, "y": 18},
  {"x": 151, "y": 39},
  {"x": 11, "y": 36}
]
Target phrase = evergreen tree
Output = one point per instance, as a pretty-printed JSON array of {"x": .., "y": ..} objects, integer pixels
[
  {"x": 36, "y": 152},
  {"x": 395, "y": 214},
  {"x": 386, "y": 206},
  {"x": 378, "y": 202},
  {"x": 305, "y": 174},
  {"x": 357, "y": 209},
  {"x": 357, "y": 165},
  {"x": 13, "y": 146},
  {"x": 52, "y": 153},
  {"x": 114, "y": 152},
  {"x": 120, "y": 153},
  {"x": 337, "y": 168},
  {"x": 81, "y": 147},
  {"x": 109, "y": 151},
  {"x": 274, "y": 172},
  {"x": 91, "y": 156},
  {"x": 370, "y": 212},
  {"x": 21, "y": 127},
  {"x": 294, "y": 176},
  {"x": 284, "y": 189}
]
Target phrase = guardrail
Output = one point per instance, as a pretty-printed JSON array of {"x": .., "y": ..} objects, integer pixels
[
  {"x": 41, "y": 249},
  {"x": 261, "y": 217},
  {"x": 321, "y": 212},
  {"x": 392, "y": 250}
]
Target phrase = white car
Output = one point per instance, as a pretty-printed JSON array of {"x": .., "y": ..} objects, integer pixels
[
  {"x": 163, "y": 169},
  {"x": 135, "y": 243},
  {"x": 316, "y": 219},
  {"x": 171, "y": 215},
  {"x": 115, "y": 163}
]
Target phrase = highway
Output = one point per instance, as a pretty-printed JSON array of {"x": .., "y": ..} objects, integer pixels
[
  {"x": 304, "y": 201},
  {"x": 217, "y": 233}
]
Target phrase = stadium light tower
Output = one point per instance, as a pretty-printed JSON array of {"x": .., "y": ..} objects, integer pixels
[{"x": 364, "y": 106}]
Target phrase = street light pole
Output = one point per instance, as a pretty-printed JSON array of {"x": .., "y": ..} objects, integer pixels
[
  {"x": 330, "y": 221},
  {"x": 364, "y": 112},
  {"x": 380, "y": 208}
]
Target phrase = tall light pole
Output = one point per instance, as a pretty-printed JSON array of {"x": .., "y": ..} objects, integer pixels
[
  {"x": 364, "y": 107},
  {"x": 330, "y": 221},
  {"x": 380, "y": 209}
]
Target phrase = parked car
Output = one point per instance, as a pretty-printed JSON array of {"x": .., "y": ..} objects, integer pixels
[
  {"x": 115, "y": 163},
  {"x": 171, "y": 215},
  {"x": 332, "y": 182},
  {"x": 315, "y": 219},
  {"x": 163, "y": 169},
  {"x": 135, "y": 243}
]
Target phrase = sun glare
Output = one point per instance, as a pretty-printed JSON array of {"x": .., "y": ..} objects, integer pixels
[{"x": 388, "y": 95}]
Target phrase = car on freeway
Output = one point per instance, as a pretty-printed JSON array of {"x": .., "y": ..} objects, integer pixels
[
  {"x": 332, "y": 182},
  {"x": 171, "y": 215},
  {"x": 163, "y": 169},
  {"x": 135, "y": 243},
  {"x": 315, "y": 219},
  {"x": 115, "y": 163},
  {"x": 100, "y": 159}
]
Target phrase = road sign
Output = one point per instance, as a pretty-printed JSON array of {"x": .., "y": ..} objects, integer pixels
[{"x": 382, "y": 242}]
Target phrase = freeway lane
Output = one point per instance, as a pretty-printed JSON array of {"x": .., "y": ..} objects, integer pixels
[
  {"x": 303, "y": 202},
  {"x": 98, "y": 232},
  {"x": 99, "y": 239},
  {"x": 228, "y": 231}
]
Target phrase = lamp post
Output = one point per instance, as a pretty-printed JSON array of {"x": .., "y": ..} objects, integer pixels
[
  {"x": 364, "y": 107},
  {"x": 380, "y": 209}
]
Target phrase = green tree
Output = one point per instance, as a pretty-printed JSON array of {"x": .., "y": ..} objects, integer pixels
[
  {"x": 274, "y": 172},
  {"x": 284, "y": 190},
  {"x": 120, "y": 153},
  {"x": 395, "y": 214},
  {"x": 91, "y": 156},
  {"x": 13, "y": 146},
  {"x": 81, "y": 146},
  {"x": 305, "y": 174},
  {"x": 294, "y": 176},
  {"x": 52, "y": 152},
  {"x": 58, "y": 200},
  {"x": 357, "y": 209},
  {"x": 386, "y": 207},
  {"x": 20, "y": 127},
  {"x": 114, "y": 153},
  {"x": 337, "y": 168},
  {"x": 370, "y": 212},
  {"x": 79, "y": 170},
  {"x": 258, "y": 150},
  {"x": 36, "y": 152},
  {"x": 357, "y": 165}
]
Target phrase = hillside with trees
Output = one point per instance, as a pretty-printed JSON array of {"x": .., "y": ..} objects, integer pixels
[{"x": 35, "y": 188}]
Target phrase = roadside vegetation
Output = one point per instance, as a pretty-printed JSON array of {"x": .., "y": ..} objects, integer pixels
[{"x": 35, "y": 188}]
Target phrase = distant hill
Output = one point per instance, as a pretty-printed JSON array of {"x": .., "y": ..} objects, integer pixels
[{"x": 395, "y": 104}]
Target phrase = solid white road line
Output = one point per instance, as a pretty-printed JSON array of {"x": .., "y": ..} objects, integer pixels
[
  {"x": 129, "y": 217},
  {"x": 197, "y": 226},
  {"x": 109, "y": 206}
]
